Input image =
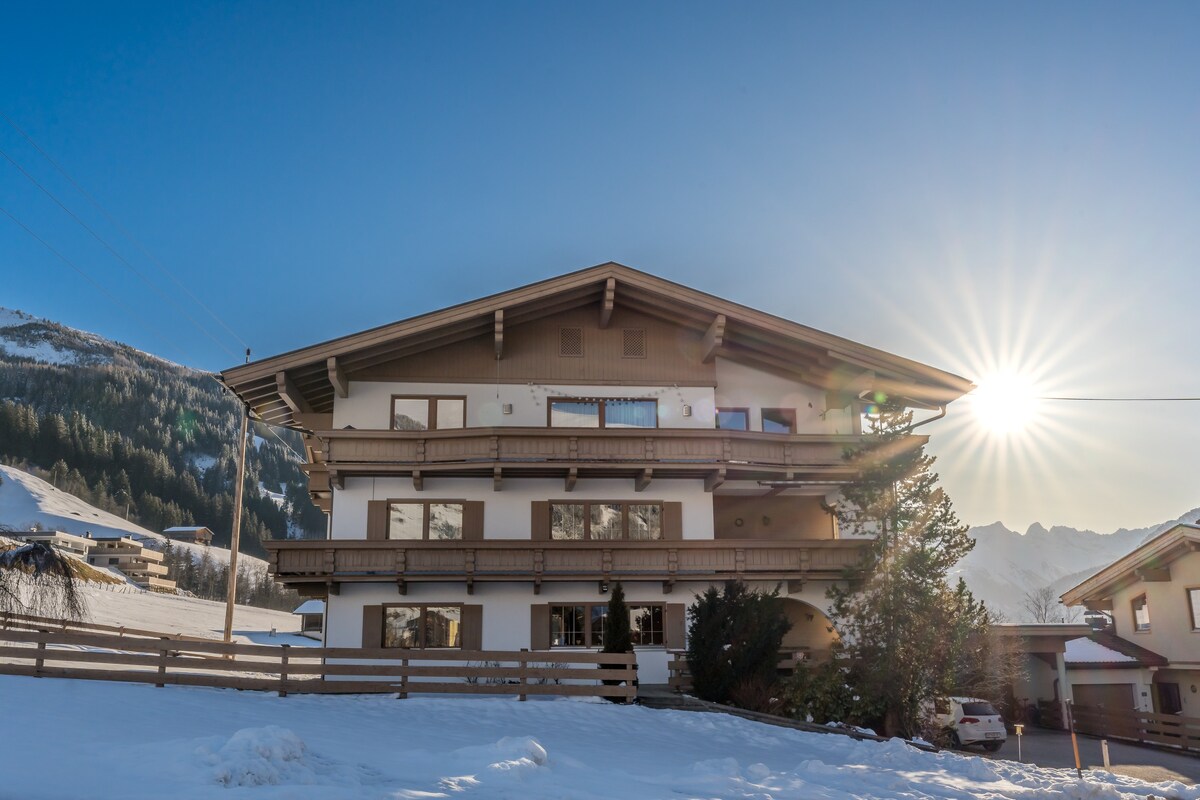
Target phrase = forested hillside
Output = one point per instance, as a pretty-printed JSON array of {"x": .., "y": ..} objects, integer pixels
[{"x": 131, "y": 433}]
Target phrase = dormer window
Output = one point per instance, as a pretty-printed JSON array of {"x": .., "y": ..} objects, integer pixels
[
  {"x": 426, "y": 412},
  {"x": 603, "y": 413},
  {"x": 1141, "y": 614}
]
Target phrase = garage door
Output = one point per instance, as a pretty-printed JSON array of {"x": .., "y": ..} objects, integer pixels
[{"x": 1109, "y": 695}]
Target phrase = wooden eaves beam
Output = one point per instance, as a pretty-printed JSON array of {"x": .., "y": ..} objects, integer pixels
[
  {"x": 610, "y": 297},
  {"x": 290, "y": 395},
  {"x": 714, "y": 338},
  {"x": 498, "y": 333},
  {"x": 336, "y": 377}
]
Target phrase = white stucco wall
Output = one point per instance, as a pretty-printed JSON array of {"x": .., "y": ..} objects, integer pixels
[
  {"x": 506, "y": 609},
  {"x": 1139, "y": 678},
  {"x": 506, "y": 514},
  {"x": 740, "y": 386},
  {"x": 368, "y": 406}
]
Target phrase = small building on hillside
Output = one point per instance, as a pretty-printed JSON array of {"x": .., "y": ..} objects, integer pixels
[
  {"x": 142, "y": 565},
  {"x": 312, "y": 618},
  {"x": 60, "y": 540},
  {"x": 196, "y": 534},
  {"x": 1153, "y": 595}
]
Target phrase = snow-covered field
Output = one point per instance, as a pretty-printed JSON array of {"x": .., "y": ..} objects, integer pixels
[
  {"x": 26, "y": 499},
  {"x": 70, "y": 739}
]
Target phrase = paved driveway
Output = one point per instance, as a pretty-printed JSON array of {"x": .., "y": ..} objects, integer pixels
[{"x": 1053, "y": 749}]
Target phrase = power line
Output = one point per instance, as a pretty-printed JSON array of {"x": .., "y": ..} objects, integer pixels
[
  {"x": 129, "y": 236},
  {"x": 1123, "y": 399},
  {"x": 115, "y": 254}
]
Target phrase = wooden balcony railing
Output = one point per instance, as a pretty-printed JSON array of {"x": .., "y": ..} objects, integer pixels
[
  {"x": 516, "y": 444},
  {"x": 333, "y": 561}
]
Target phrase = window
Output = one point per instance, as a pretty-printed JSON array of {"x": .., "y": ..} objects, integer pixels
[
  {"x": 733, "y": 419},
  {"x": 779, "y": 420},
  {"x": 423, "y": 413},
  {"x": 1141, "y": 614},
  {"x": 603, "y": 413},
  {"x": 606, "y": 520},
  {"x": 425, "y": 519},
  {"x": 1193, "y": 596},
  {"x": 422, "y": 626},
  {"x": 583, "y": 625}
]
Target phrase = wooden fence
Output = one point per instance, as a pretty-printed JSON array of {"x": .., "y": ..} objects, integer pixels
[
  {"x": 26, "y": 622},
  {"x": 1168, "y": 730},
  {"x": 165, "y": 660}
]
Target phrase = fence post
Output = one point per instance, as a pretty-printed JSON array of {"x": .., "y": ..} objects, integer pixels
[
  {"x": 162, "y": 661},
  {"x": 283, "y": 665},
  {"x": 404, "y": 679},
  {"x": 41, "y": 654},
  {"x": 524, "y": 673}
]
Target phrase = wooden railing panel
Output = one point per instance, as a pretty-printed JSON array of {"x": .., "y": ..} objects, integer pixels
[{"x": 1170, "y": 730}]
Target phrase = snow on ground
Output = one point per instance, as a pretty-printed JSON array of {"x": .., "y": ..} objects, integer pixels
[
  {"x": 169, "y": 613},
  {"x": 26, "y": 499},
  {"x": 210, "y": 743}
]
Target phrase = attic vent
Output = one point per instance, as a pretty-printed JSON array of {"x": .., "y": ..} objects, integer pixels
[
  {"x": 633, "y": 343},
  {"x": 570, "y": 342}
]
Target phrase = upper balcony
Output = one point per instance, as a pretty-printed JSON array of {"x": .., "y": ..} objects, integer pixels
[
  {"x": 642, "y": 454},
  {"x": 315, "y": 567}
]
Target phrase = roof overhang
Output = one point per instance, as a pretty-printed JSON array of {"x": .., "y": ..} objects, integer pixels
[
  {"x": 1150, "y": 562},
  {"x": 282, "y": 387}
]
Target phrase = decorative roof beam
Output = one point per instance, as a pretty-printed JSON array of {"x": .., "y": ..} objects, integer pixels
[
  {"x": 714, "y": 338},
  {"x": 1151, "y": 575},
  {"x": 497, "y": 479},
  {"x": 290, "y": 395},
  {"x": 606, "y": 307},
  {"x": 714, "y": 479},
  {"x": 337, "y": 378},
  {"x": 643, "y": 480},
  {"x": 569, "y": 481},
  {"x": 498, "y": 333},
  {"x": 418, "y": 481}
]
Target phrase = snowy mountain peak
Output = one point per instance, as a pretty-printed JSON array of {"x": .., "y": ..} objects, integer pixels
[{"x": 24, "y": 336}]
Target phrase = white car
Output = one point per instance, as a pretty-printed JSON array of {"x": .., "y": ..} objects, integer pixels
[{"x": 970, "y": 720}]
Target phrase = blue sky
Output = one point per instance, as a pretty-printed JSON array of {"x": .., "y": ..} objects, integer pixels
[{"x": 982, "y": 187}]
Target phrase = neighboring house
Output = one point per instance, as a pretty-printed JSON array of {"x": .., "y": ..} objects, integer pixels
[
  {"x": 1153, "y": 595},
  {"x": 1042, "y": 687},
  {"x": 60, "y": 540},
  {"x": 312, "y": 618},
  {"x": 492, "y": 468},
  {"x": 193, "y": 534},
  {"x": 1105, "y": 669},
  {"x": 140, "y": 564}
]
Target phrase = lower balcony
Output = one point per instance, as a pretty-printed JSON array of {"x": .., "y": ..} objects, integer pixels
[{"x": 316, "y": 567}]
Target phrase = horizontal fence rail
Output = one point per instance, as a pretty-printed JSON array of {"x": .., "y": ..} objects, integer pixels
[
  {"x": 1169, "y": 730},
  {"x": 680, "y": 675},
  {"x": 163, "y": 660}
]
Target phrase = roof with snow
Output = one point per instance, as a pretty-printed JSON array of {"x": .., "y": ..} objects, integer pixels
[
  {"x": 185, "y": 529},
  {"x": 310, "y": 607},
  {"x": 1105, "y": 650}
]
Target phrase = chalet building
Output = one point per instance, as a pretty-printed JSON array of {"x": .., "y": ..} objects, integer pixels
[
  {"x": 492, "y": 468},
  {"x": 60, "y": 540},
  {"x": 1150, "y": 660},
  {"x": 196, "y": 534},
  {"x": 141, "y": 565}
]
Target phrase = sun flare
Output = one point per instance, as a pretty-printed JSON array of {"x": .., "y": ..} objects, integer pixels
[{"x": 1005, "y": 403}]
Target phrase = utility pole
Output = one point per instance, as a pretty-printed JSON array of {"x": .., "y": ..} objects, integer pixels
[{"x": 237, "y": 520}]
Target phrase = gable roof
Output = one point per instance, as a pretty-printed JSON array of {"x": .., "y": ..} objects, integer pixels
[
  {"x": 1155, "y": 555},
  {"x": 270, "y": 385}
]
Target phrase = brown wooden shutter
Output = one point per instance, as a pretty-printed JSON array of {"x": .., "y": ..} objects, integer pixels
[
  {"x": 539, "y": 627},
  {"x": 377, "y": 519},
  {"x": 372, "y": 633},
  {"x": 672, "y": 521},
  {"x": 675, "y": 626},
  {"x": 472, "y": 525},
  {"x": 472, "y": 627},
  {"x": 539, "y": 522}
]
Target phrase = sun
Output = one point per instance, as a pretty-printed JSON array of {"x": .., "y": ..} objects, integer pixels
[{"x": 1005, "y": 403}]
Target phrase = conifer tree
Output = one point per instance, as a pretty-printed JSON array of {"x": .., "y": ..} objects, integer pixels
[
  {"x": 617, "y": 636},
  {"x": 906, "y": 632}
]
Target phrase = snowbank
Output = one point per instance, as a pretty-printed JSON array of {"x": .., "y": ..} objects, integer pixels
[{"x": 211, "y": 743}]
